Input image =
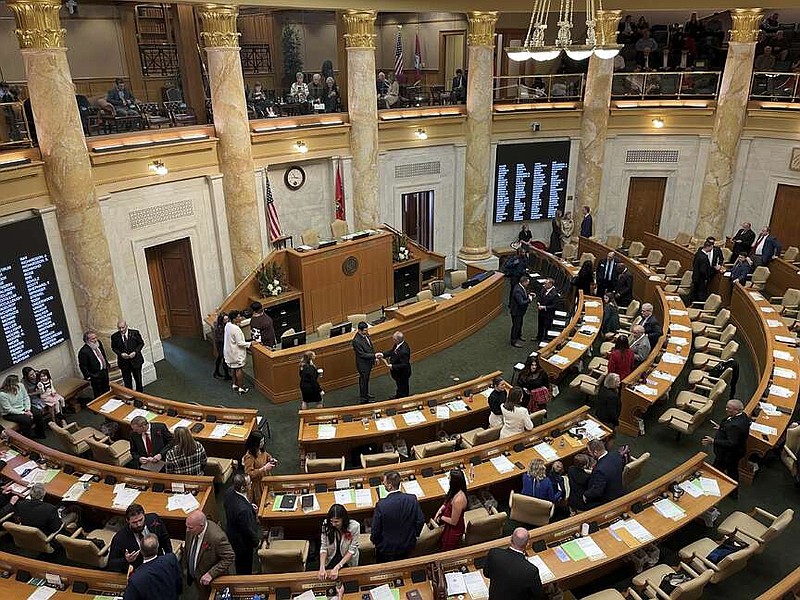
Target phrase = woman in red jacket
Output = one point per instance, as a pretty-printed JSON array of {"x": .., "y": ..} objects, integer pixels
[{"x": 621, "y": 359}]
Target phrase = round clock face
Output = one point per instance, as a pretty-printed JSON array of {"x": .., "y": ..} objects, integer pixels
[{"x": 295, "y": 178}]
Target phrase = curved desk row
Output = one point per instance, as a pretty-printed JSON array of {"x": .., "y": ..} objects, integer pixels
[
  {"x": 787, "y": 588},
  {"x": 782, "y": 276},
  {"x": 499, "y": 463},
  {"x": 224, "y": 430},
  {"x": 332, "y": 432},
  {"x": 414, "y": 573}
]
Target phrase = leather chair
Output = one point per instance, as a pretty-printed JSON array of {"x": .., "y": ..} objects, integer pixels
[
  {"x": 682, "y": 239},
  {"x": 700, "y": 377},
  {"x": 380, "y": 459},
  {"x": 615, "y": 241},
  {"x": 338, "y": 229},
  {"x": 650, "y": 580},
  {"x": 696, "y": 556},
  {"x": 685, "y": 423},
  {"x": 715, "y": 339},
  {"x": 692, "y": 401},
  {"x": 682, "y": 287},
  {"x": 707, "y": 360},
  {"x": 790, "y": 255},
  {"x": 589, "y": 383},
  {"x": 220, "y": 469},
  {"x": 283, "y": 556},
  {"x": 483, "y": 525},
  {"x": 437, "y": 287},
  {"x": 529, "y": 510},
  {"x": 310, "y": 237},
  {"x": 788, "y": 304},
  {"x": 366, "y": 550},
  {"x": 727, "y": 253},
  {"x": 654, "y": 258},
  {"x": 633, "y": 470},
  {"x": 428, "y": 540},
  {"x": 747, "y": 528},
  {"x": 791, "y": 448},
  {"x": 84, "y": 551},
  {"x": 424, "y": 295},
  {"x": 479, "y": 436},
  {"x": 433, "y": 448},
  {"x": 74, "y": 439},
  {"x": 538, "y": 417},
  {"x": 324, "y": 330},
  {"x": 712, "y": 324},
  {"x": 457, "y": 278},
  {"x": 324, "y": 465},
  {"x": 626, "y": 319},
  {"x": 356, "y": 318},
  {"x": 9, "y": 425},
  {"x": 31, "y": 538},
  {"x": 117, "y": 454},
  {"x": 710, "y": 307},
  {"x": 758, "y": 279},
  {"x": 154, "y": 114},
  {"x": 635, "y": 250},
  {"x": 569, "y": 252}
]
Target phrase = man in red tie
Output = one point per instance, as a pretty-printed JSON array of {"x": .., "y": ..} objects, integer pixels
[
  {"x": 149, "y": 443},
  {"x": 93, "y": 363}
]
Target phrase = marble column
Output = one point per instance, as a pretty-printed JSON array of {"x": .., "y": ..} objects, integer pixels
[
  {"x": 67, "y": 167},
  {"x": 594, "y": 121},
  {"x": 477, "y": 170},
  {"x": 363, "y": 109},
  {"x": 734, "y": 94},
  {"x": 221, "y": 40}
]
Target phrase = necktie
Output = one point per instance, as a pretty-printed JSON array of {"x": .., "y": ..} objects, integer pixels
[
  {"x": 125, "y": 341},
  {"x": 148, "y": 444},
  {"x": 193, "y": 555},
  {"x": 99, "y": 356},
  {"x": 609, "y": 267}
]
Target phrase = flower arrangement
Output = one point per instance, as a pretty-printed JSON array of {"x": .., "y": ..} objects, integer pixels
[
  {"x": 270, "y": 280},
  {"x": 400, "y": 251}
]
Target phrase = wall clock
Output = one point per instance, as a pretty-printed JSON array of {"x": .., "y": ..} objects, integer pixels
[{"x": 294, "y": 178}]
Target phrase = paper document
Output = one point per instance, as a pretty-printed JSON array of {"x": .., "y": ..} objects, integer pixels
[
  {"x": 326, "y": 432},
  {"x": 782, "y": 355},
  {"x": 590, "y": 548},
  {"x": 445, "y": 483},
  {"x": 763, "y": 428},
  {"x": 502, "y": 464},
  {"x": 457, "y": 406},
  {"x": 74, "y": 493},
  {"x": 678, "y": 327},
  {"x": 591, "y": 303},
  {"x": 455, "y": 583},
  {"x": 414, "y": 417},
  {"x": 774, "y": 323},
  {"x": 220, "y": 430},
  {"x": 668, "y": 509},
  {"x": 756, "y": 296},
  {"x": 638, "y": 530},
  {"x": 780, "y": 391},
  {"x": 111, "y": 405},
  {"x": 646, "y": 390},
  {"x": 185, "y": 502},
  {"x": 20, "y": 469},
  {"x": 654, "y": 278},
  {"x": 573, "y": 550},
  {"x": 591, "y": 319},
  {"x": 344, "y": 497},
  {"x": 692, "y": 488},
  {"x": 786, "y": 339},
  {"x": 673, "y": 359},
  {"x": 546, "y": 451},
  {"x": 182, "y": 423},
  {"x": 593, "y": 428},
  {"x": 442, "y": 412},
  {"x": 767, "y": 309},
  {"x": 386, "y": 424},
  {"x": 42, "y": 593},
  {"x": 413, "y": 487},
  {"x": 125, "y": 498},
  {"x": 307, "y": 595},
  {"x": 545, "y": 574},
  {"x": 664, "y": 376},
  {"x": 588, "y": 329},
  {"x": 784, "y": 373},
  {"x": 445, "y": 296},
  {"x": 678, "y": 341},
  {"x": 384, "y": 592},
  {"x": 676, "y": 312},
  {"x": 769, "y": 409},
  {"x": 364, "y": 498},
  {"x": 476, "y": 586},
  {"x": 710, "y": 486},
  {"x": 557, "y": 359},
  {"x": 140, "y": 412},
  {"x": 576, "y": 345},
  {"x": 673, "y": 298}
]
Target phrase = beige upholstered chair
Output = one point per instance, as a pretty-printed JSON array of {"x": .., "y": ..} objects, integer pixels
[
  {"x": 790, "y": 255},
  {"x": 612, "y": 594},
  {"x": 710, "y": 307},
  {"x": 748, "y": 529},
  {"x": 654, "y": 258},
  {"x": 310, "y": 237},
  {"x": 715, "y": 338},
  {"x": 530, "y": 510},
  {"x": 789, "y": 303},
  {"x": 569, "y": 252},
  {"x": 682, "y": 239},
  {"x": 424, "y": 295},
  {"x": 84, "y": 551},
  {"x": 685, "y": 423},
  {"x": 708, "y": 360},
  {"x": 324, "y": 465},
  {"x": 589, "y": 383},
  {"x": 366, "y": 550},
  {"x": 672, "y": 270},
  {"x": 700, "y": 377},
  {"x": 696, "y": 553},
  {"x": 338, "y": 228},
  {"x": 428, "y": 540},
  {"x": 709, "y": 323},
  {"x": 694, "y": 400},
  {"x": 635, "y": 250},
  {"x": 791, "y": 448},
  {"x": 356, "y": 318},
  {"x": 615, "y": 241},
  {"x": 584, "y": 257},
  {"x": 283, "y": 556},
  {"x": 682, "y": 287},
  {"x": 30, "y": 538},
  {"x": 759, "y": 278},
  {"x": 650, "y": 580},
  {"x": 74, "y": 439},
  {"x": 479, "y": 436},
  {"x": 457, "y": 278},
  {"x": 633, "y": 470},
  {"x": 9, "y": 425},
  {"x": 483, "y": 526},
  {"x": 117, "y": 454},
  {"x": 433, "y": 448},
  {"x": 220, "y": 469},
  {"x": 288, "y": 332},
  {"x": 538, "y": 417},
  {"x": 380, "y": 459},
  {"x": 437, "y": 287},
  {"x": 324, "y": 330},
  {"x": 727, "y": 253},
  {"x": 631, "y": 311}
]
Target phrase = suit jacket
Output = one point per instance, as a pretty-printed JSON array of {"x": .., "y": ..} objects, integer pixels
[
  {"x": 158, "y": 578},
  {"x": 265, "y": 327},
  {"x": 701, "y": 267},
  {"x": 771, "y": 249},
  {"x": 124, "y": 540},
  {"x": 241, "y": 525},
  {"x": 135, "y": 343},
  {"x": 602, "y": 266},
  {"x": 623, "y": 289},
  {"x": 160, "y": 439},
  {"x": 39, "y": 514},
  {"x": 215, "y": 555},
  {"x": 653, "y": 330},
  {"x": 605, "y": 482},
  {"x": 641, "y": 348},
  {"x": 365, "y": 353},
  {"x": 400, "y": 359},
  {"x": 396, "y": 523},
  {"x": 549, "y": 300},
  {"x": 519, "y": 301},
  {"x": 586, "y": 226},
  {"x": 743, "y": 241},
  {"x": 460, "y": 82},
  {"x": 87, "y": 362},
  {"x": 731, "y": 438},
  {"x": 511, "y": 576}
]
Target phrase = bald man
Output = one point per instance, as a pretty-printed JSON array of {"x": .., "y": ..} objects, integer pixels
[
  {"x": 127, "y": 344},
  {"x": 157, "y": 577},
  {"x": 510, "y": 575},
  {"x": 398, "y": 359},
  {"x": 730, "y": 440},
  {"x": 639, "y": 344},
  {"x": 207, "y": 553}
]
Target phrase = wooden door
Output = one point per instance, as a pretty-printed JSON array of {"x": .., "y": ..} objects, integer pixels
[
  {"x": 171, "y": 271},
  {"x": 782, "y": 224},
  {"x": 645, "y": 203},
  {"x": 418, "y": 217}
]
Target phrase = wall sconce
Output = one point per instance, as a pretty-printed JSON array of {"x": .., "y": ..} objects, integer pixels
[
  {"x": 158, "y": 168},
  {"x": 421, "y": 134},
  {"x": 301, "y": 147},
  {"x": 658, "y": 123}
]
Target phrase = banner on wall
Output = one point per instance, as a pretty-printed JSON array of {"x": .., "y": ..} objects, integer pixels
[{"x": 339, "y": 192}]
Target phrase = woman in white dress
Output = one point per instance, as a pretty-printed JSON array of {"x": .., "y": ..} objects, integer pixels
[{"x": 516, "y": 418}]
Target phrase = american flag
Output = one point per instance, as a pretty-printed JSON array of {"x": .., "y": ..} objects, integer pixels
[
  {"x": 398, "y": 55},
  {"x": 272, "y": 214}
]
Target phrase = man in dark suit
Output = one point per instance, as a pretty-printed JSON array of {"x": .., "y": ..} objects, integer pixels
[
  {"x": 765, "y": 248},
  {"x": 241, "y": 524},
  {"x": 623, "y": 288},
  {"x": 35, "y": 512},
  {"x": 547, "y": 300},
  {"x": 702, "y": 271},
  {"x": 730, "y": 440},
  {"x": 93, "y": 363},
  {"x": 398, "y": 359},
  {"x": 605, "y": 482},
  {"x": 126, "y": 545},
  {"x": 459, "y": 91},
  {"x": 743, "y": 240},
  {"x": 207, "y": 553},
  {"x": 651, "y": 325},
  {"x": 157, "y": 577},
  {"x": 520, "y": 299},
  {"x": 396, "y": 522},
  {"x": 149, "y": 443},
  {"x": 511, "y": 576},
  {"x": 514, "y": 268},
  {"x": 607, "y": 274},
  {"x": 365, "y": 360},
  {"x": 127, "y": 344},
  {"x": 587, "y": 226}
]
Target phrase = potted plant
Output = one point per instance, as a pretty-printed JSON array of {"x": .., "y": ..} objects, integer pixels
[
  {"x": 270, "y": 280},
  {"x": 400, "y": 251},
  {"x": 292, "y": 56}
]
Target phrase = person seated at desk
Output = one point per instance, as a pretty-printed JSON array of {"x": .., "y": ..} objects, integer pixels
[
  {"x": 496, "y": 399},
  {"x": 459, "y": 91},
  {"x": 316, "y": 89},
  {"x": 392, "y": 96},
  {"x": 35, "y": 512},
  {"x": 605, "y": 482},
  {"x": 299, "y": 90},
  {"x": 149, "y": 443},
  {"x": 259, "y": 101},
  {"x": 15, "y": 406},
  {"x": 741, "y": 269},
  {"x": 186, "y": 456},
  {"x": 537, "y": 484},
  {"x": 122, "y": 100},
  {"x": 331, "y": 96},
  {"x": 516, "y": 418},
  {"x": 396, "y": 522},
  {"x": 639, "y": 344},
  {"x": 381, "y": 85},
  {"x": 126, "y": 544}
]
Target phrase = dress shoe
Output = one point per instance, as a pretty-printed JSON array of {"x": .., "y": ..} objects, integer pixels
[
  {"x": 522, "y": 339},
  {"x": 371, "y": 396},
  {"x": 517, "y": 344}
]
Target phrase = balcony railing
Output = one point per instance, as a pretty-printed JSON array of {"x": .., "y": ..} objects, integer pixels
[
  {"x": 776, "y": 87},
  {"x": 538, "y": 88},
  {"x": 256, "y": 58},
  {"x": 159, "y": 60},
  {"x": 13, "y": 126},
  {"x": 654, "y": 85}
]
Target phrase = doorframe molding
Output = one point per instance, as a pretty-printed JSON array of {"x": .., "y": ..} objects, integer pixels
[
  {"x": 772, "y": 191},
  {"x": 669, "y": 189}
]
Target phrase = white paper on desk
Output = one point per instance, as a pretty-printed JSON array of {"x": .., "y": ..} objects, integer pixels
[
  {"x": 445, "y": 483},
  {"x": 668, "y": 509},
  {"x": 673, "y": 359},
  {"x": 780, "y": 391},
  {"x": 782, "y": 354},
  {"x": 678, "y": 340},
  {"x": 42, "y": 593},
  {"x": 455, "y": 583},
  {"x": 307, "y": 595},
  {"x": 344, "y": 497},
  {"x": 784, "y": 373},
  {"x": 769, "y": 409},
  {"x": 20, "y": 469},
  {"x": 342, "y": 484},
  {"x": 445, "y": 296},
  {"x": 476, "y": 586},
  {"x": 414, "y": 417},
  {"x": 710, "y": 486},
  {"x": 591, "y": 303},
  {"x": 185, "y": 502},
  {"x": 576, "y": 345},
  {"x": 111, "y": 405},
  {"x": 125, "y": 498},
  {"x": 136, "y": 412},
  {"x": 673, "y": 298},
  {"x": 74, "y": 493},
  {"x": 53, "y": 579},
  {"x": 382, "y": 592},
  {"x": 763, "y": 428},
  {"x": 638, "y": 530},
  {"x": 457, "y": 406},
  {"x": 590, "y": 548},
  {"x": 220, "y": 430},
  {"x": 767, "y": 309},
  {"x": 182, "y": 423},
  {"x": 86, "y": 477},
  {"x": 557, "y": 359},
  {"x": 676, "y": 312},
  {"x": 646, "y": 390},
  {"x": 588, "y": 329},
  {"x": 37, "y": 475},
  {"x": 774, "y": 323},
  {"x": 412, "y": 486},
  {"x": 326, "y": 431},
  {"x": 593, "y": 429},
  {"x": 756, "y": 296},
  {"x": 545, "y": 574},
  {"x": 591, "y": 319},
  {"x": 18, "y": 489},
  {"x": 9, "y": 454},
  {"x": 663, "y": 376},
  {"x": 654, "y": 278},
  {"x": 386, "y": 424},
  {"x": 678, "y": 327},
  {"x": 786, "y": 339},
  {"x": 118, "y": 488},
  {"x": 546, "y": 451},
  {"x": 691, "y": 488},
  {"x": 502, "y": 464},
  {"x": 364, "y": 497},
  {"x": 442, "y": 412}
]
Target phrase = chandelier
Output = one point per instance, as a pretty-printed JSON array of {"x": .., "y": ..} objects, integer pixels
[{"x": 603, "y": 46}]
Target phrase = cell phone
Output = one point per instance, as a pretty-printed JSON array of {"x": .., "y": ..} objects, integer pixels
[{"x": 713, "y": 423}]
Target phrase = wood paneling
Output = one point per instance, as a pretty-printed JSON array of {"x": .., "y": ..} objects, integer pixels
[
  {"x": 174, "y": 266},
  {"x": 188, "y": 42},
  {"x": 784, "y": 212},
  {"x": 645, "y": 204}
]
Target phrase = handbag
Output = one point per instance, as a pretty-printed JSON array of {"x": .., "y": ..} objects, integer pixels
[
  {"x": 672, "y": 580},
  {"x": 539, "y": 398},
  {"x": 727, "y": 546}
]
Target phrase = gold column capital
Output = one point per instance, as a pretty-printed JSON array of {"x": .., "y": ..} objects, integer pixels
[
  {"x": 745, "y": 26},
  {"x": 360, "y": 29},
  {"x": 38, "y": 24},
  {"x": 606, "y": 22},
  {"x": 480, "y": 28},
  {"x": 219, "y": 26}
]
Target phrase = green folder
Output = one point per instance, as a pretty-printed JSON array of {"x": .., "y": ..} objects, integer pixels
[
  {"x": 277, "y": 504},
  {"x": 150, "y": 416},
  {"x": 382, "y": 493},
  {"x": 573, "y": 550},
  {"x": 51, "y": 474}
]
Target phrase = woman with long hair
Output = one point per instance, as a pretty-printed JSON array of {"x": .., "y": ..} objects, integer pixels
[
  {"x": 584, "y": 280},
  {"x": 15, "y": 406},
  {"x": 257, "y": 463},
  {"x": 451, "y": 514},
  {"x": 535, "y": 382},
  {"x": 610, "y": 324},
  {"x": 219, "y": 345},
  {"x": 309, "y": 381},
  {"x": 186, "y": 456},
  {"x": 496, "y": 399},
  {"x": 555, "y": 234},
  {"x": 338, "y": 545},
  {"x": 537, "y": 484},
  {"x": 621, "y": 360},
  {"x": 516, "y": 418}
]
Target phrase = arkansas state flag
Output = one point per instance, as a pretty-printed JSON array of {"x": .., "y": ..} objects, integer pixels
[
  {"x": 339, "y": 193},
  {"x": 417, "y": 58}
]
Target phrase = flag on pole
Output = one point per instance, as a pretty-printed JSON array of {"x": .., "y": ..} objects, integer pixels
[
  {"x": 398, "y": 55},
  {"x": 417, "y": 59},
  {"x": 274, "y": 223},
  {"x": 339, "y": 193}
]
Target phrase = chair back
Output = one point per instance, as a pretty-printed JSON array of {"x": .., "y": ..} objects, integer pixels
[
  {"x": 29, "y": 538},
  {"x": 683, "y": 238},
  {"x": 686, "y": 280},
  {"x": 485, "y": 529},
  {"x": 654, "y": 258},
  {"x": 310, "y": 237},
  {"x": 713, "y": 303},
  {"x": 492, "y": 434},
  {"x": 632, "y": 309},
  {"x": 732, "y": 563},
  {"x": 538, "y": 417},
  {"x": 529, "y": 510},
  {"x": 722, "y": 318},
  {"x": 636, "y": 249},
  {"x": 338, "y": 228},
  {"x": 380, "y": 459},
  {"x": 791, "y": 448},
  {"x": 673, "y": 268},
  {"x": 66, "y": 438},
  {"x": 777, "y": 527},
  {"x": 281, "y": 560},
  {"x": 356, "y": 318},
  {"x": 614, "y": 241},
  {"x": 791, "y": 299},
  {"x": 324, "y": 465},
  {"x": 433, "y": 448},
  {"x": 324, "y": 330},
  {"x": 424, "y": 295},
  {"x": 366, "y": 550},
  {"x": 791, "y": 254},
  {"x": 717, "y": 390},
  {"x": 728, "y": 333},
  {"x": 83, "y": 551},
  {"x": 457, "y": 278},
  {"x": 437, "y": 287},
  {"x": 698, "y": 418},
  {"x": 105, "y": 453},
  {"x": 692, "y": 589},
  {"x": 569, "y": 252},
  {"x": 730, "y": 350},
  {"x": 586, "y": 256},
  {"x": 727, "y": 253},
  {"x": 428, "y": 541},
  {"x": 760, "y": 277},
  {"x": 633, "y": 470}
]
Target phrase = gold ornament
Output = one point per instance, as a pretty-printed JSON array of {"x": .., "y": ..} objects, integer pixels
[
  {"x": 38, "y": 25},
  {"x": 745, "y": 26},
  {"x": 480, "y": 30},
  {"x": 606, "y": 26},
  {"x": 360, "y": 29},
  {"x": 219, "y": 26}
]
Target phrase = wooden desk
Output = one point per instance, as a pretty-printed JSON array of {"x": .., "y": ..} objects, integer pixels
[
  {"x": 575, "y": 340},
  {"x": 486, "y": 475},
  {"x": 787, "y": 588},
  {"x": 352, "y": 431},
  {"x": 782, "y": 276},
  {"x": 429, "y": 327},
  {"x": 99, "y": 582},
  {"x": 756, "y": 326},
  {"x": 99, "y": 495},
  {"x": 230, "y": 445}
]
